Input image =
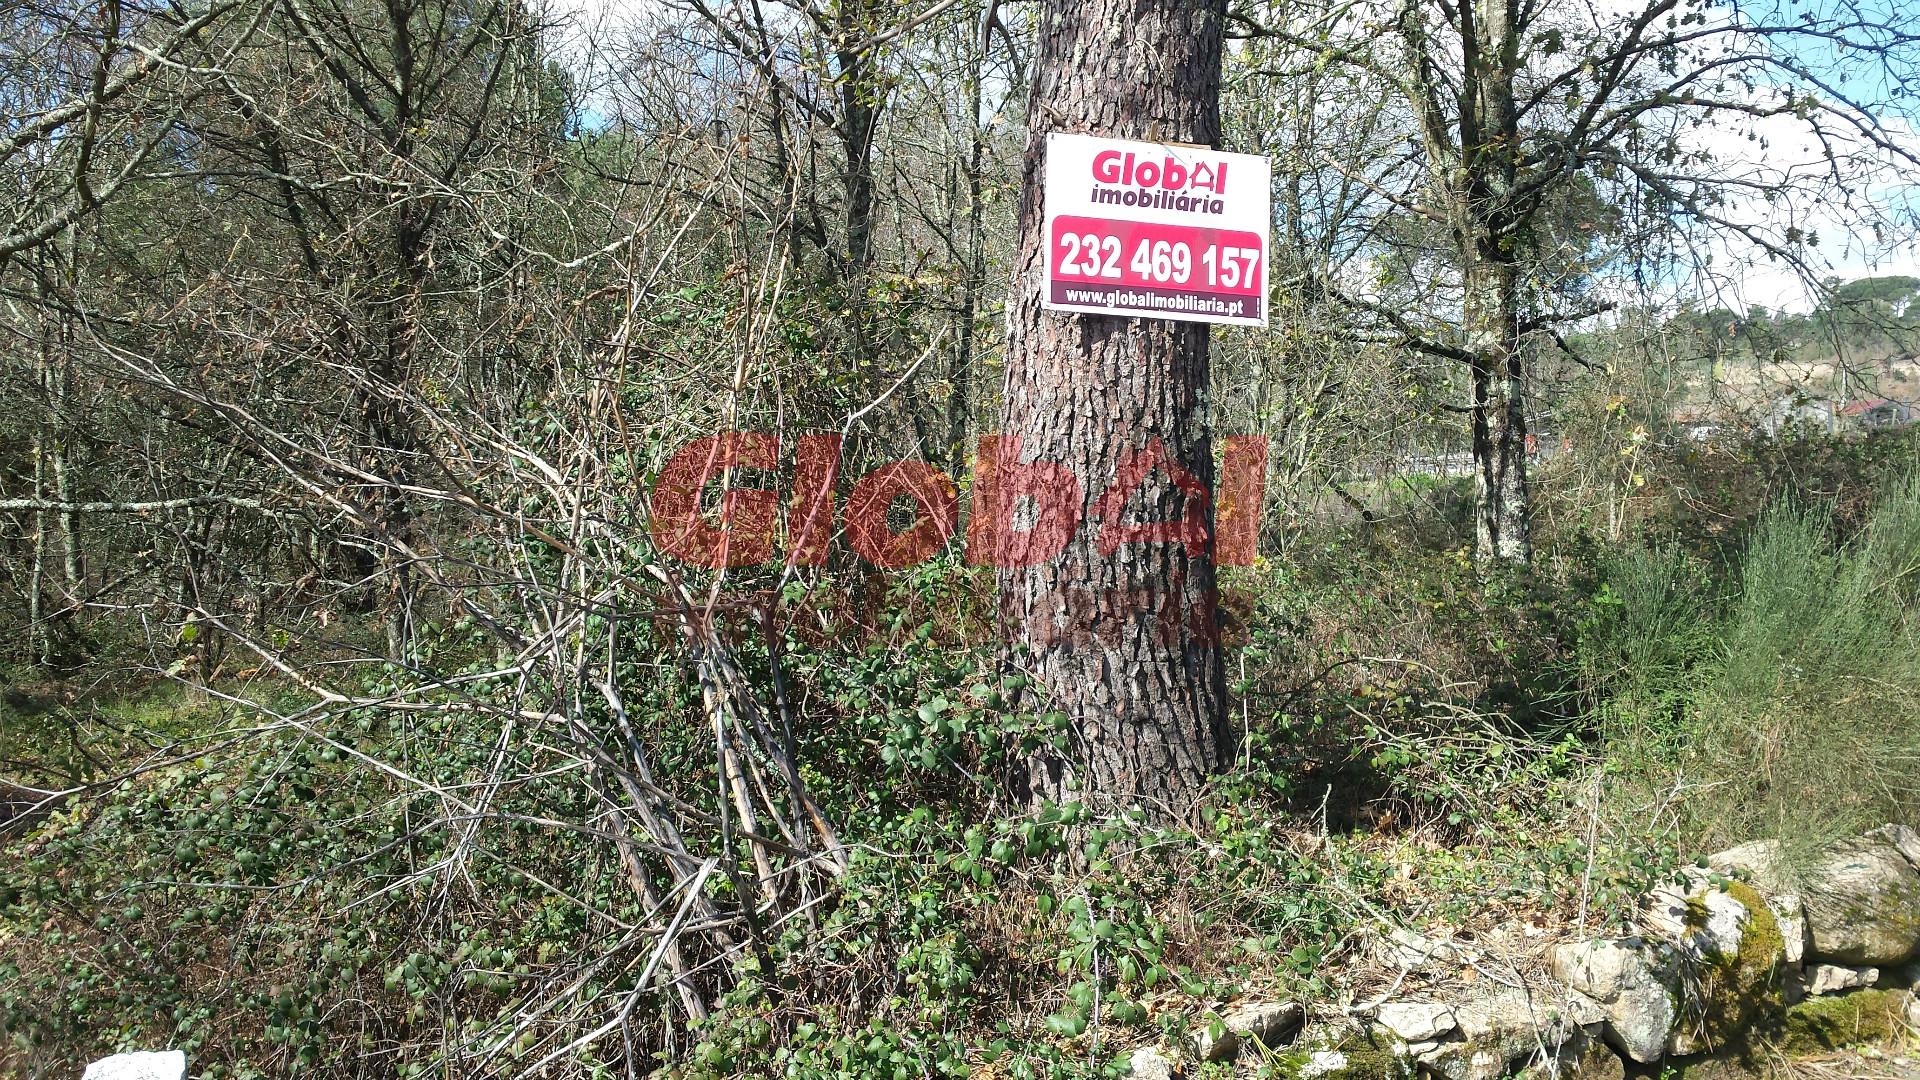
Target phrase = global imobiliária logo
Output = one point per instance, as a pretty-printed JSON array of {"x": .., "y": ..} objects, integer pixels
[{"x": 1024, "y": 513}]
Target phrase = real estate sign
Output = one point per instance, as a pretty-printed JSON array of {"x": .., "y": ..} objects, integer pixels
[{"x": 1156, "y": 231}]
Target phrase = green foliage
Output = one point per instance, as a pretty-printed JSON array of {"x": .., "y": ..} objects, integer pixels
[
  {"x": 1419, "y": 741},
  {"x": 1806, "y": 721},
  {"x": 1783, "y": 708},
  {"x": 230, "y": 904},
  {"x": 1033, "y": 944},
  {"x": 1647, "y": 629}
]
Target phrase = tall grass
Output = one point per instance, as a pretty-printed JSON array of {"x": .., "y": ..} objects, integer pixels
[
  {"x": 1650, "y": 633},
  {"x": 1793, "y": 711}
]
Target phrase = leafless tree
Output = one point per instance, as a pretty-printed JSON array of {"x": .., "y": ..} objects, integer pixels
[{"x": 1505, "y": 106}]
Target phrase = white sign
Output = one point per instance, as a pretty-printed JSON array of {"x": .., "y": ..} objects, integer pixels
[
  {"x": 1156, "y": 231},
  {"x": 141, "y": 1065}
]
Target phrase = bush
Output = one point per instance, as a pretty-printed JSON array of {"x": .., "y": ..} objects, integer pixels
[
  {"x": 1788, "y": 713},
  {"x": 1649, "y": 630},
  {"x": 1808, "y": 727}
]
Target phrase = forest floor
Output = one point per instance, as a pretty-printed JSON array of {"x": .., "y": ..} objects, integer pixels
[{"x": 1498, "y": 762}]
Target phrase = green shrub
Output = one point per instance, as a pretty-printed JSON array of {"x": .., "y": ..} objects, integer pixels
[
  {"x": 1808, "y": 726},
  {"x": 1649, "y": 630},
  {"x": 1788, "y": 714}
]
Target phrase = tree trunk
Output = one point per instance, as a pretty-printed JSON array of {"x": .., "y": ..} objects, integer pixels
[
  {"x": 1490, "y": 138},
  {"x": 860, "y": 97},
  {"x": 1121, "y": 638},
  {"x": 389, "y": 430},
  {"x": 39, "y": 648},
  {"x": 960, "y": 377},
  {"x": 1502, "y": 516}
]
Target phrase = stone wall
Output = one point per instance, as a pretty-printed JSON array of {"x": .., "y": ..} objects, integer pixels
[{"x": 1738, "y": 959}]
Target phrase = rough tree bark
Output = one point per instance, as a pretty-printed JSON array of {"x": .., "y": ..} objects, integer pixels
[
  {"x": 1502, "y": 530},
  {"x": 1120, "y": 638}
]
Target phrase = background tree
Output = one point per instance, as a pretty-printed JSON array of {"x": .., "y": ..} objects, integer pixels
[
  {"x": 876, "y": 174},
  {"x": 1505, "y": 106}
]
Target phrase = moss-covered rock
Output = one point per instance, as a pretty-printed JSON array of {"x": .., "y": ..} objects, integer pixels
[
  {"x": 1823, "y": 1024},
  {"x": 1737, "y": 1064},
  {"x": 1813, "y": 1028},
  {"x": 1737, "y": 973},
  {"x": 1863, "y": 900}
]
